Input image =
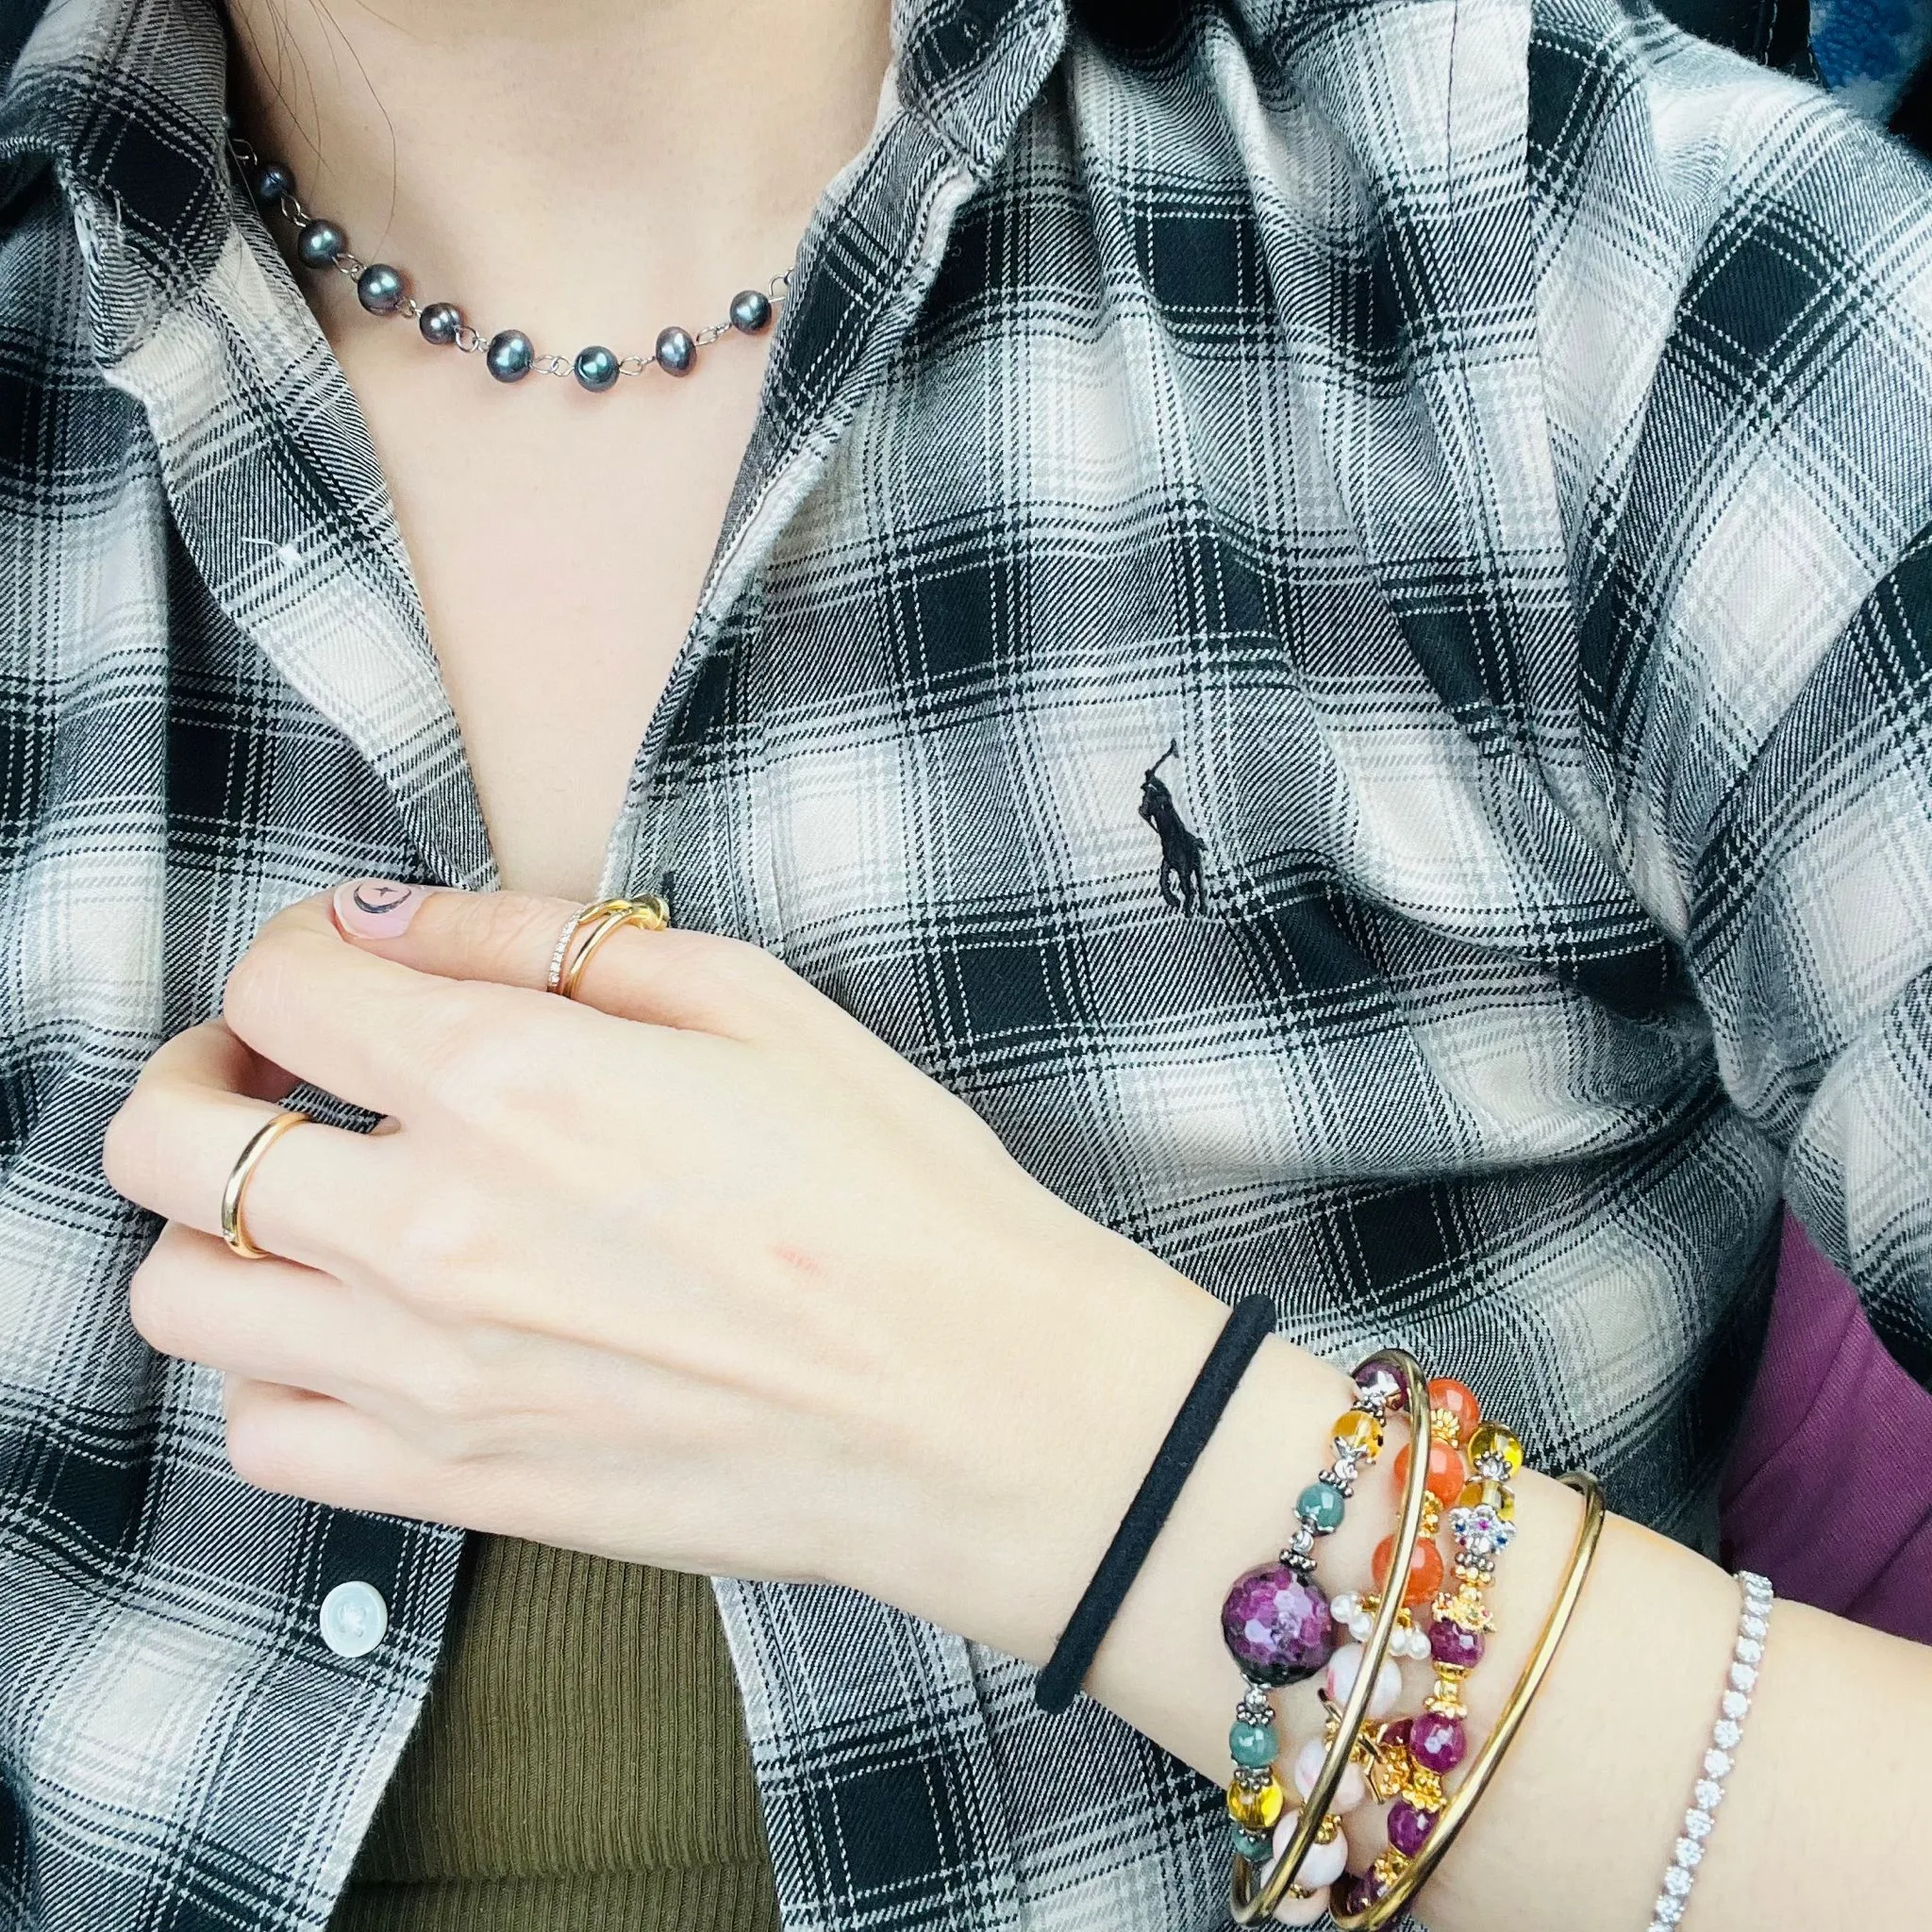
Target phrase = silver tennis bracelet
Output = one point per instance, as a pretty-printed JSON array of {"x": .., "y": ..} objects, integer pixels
[{"x": 1754, "y": 1624}]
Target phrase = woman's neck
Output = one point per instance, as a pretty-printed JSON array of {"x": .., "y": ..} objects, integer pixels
[{"x": 581, "y": 169}]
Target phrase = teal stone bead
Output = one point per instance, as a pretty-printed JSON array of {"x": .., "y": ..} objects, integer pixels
[
  {"x": 1258, "y": 1850},
  {"x": 1253, "y": 1745},
  {"x": 1322, "y": 1504}
]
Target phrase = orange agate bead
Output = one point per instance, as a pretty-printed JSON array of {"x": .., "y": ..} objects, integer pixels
[
  {"x": 1446, "y": 1393},
  {"x": 1448, "y": 1471},
  {"x": 1424, "y": 1570}
]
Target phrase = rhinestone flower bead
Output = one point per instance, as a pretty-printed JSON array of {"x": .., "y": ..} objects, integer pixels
[{"x": 1278, "y": 1626}]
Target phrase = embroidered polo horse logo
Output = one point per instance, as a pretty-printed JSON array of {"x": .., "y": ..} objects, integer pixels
[{"x": 1180, "y": 851}]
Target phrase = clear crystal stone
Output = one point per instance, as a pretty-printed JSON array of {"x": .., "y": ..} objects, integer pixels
[
  {"x": 1698, "y": 1825},
  {"x": 1743, "y": 1677},
  {"x": 1708, "y": 1793},
  {"x": 1690, "y": 1853},
  {"x": 1726, "y": 1734},
  {"x": 1755, "y": 1628},
  {"x": 1735, "y": 1703},
  {"x": 1750, "y": 1651},
  {"x": 1677, "y": 1881},
  {"x": 1717, "y": 1763},
  {"x": 1668, "y": 1909}
]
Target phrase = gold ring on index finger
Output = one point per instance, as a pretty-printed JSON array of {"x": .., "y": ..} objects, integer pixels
[
  {"x": 234, "y": 1229},
  {"x": 650, "y": 912}
]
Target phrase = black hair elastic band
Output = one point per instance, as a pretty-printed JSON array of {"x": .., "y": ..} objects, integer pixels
[{"x": 1248, "y": 1325}]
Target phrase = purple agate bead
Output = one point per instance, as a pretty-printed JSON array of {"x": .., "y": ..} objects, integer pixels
[
  {"x": 1450, "y": 1643},
  {"x": 1278, "y": 1628},
  {"x": 1409, "y": 1825},
  {"x": 1381, "y": 1387},
  {"x": 1355, "y": 1891},
  {"x": 1436, "y": 1742}
]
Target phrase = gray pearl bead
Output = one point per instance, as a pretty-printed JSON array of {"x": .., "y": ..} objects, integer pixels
[
  {"x": 509, "y": 356},
  {"x": 676, "y": 352},
  {"x": 595, "y": 368},
  {"x": 319, "y": 244},
  {"x": 271, "y": 181},
  {"x": 380, "y": 289},
  {"x": 440, "y": 323},
  {"x": 751, "y": 311}
]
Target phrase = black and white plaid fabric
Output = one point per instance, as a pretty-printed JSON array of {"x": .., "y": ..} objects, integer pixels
[{"x": 1491, "y": 440}]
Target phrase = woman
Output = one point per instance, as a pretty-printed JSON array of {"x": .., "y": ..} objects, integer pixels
[{"x": 1311, "y": 683}]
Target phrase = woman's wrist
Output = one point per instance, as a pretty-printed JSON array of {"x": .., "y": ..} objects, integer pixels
[{"x": 1022, "y": 1483}]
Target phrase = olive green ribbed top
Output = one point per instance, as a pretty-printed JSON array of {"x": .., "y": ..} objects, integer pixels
[{"x": 580, "y": 1766}]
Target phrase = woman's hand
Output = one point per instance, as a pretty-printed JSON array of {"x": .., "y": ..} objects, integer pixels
[{"x": 709, "y": 1277}]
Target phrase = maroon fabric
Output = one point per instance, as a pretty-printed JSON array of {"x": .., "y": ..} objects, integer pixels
[{"x": 1829, "y": 1490}]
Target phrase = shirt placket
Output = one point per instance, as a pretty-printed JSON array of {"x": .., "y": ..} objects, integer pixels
[{"x": 277, "y": 496}]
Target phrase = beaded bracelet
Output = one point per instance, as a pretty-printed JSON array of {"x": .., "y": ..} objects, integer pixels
[
  {"x": 1279, "y": 1628},
  {"x": 1367, "y": 1906},
  {"x": 1420, "y": 1751},
  {"x": 1754, "y": 1624}
]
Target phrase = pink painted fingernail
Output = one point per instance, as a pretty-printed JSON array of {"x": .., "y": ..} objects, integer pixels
[{"x": 376, "y": 909}]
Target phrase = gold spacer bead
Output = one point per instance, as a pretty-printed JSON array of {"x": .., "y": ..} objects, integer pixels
[
  {"x": 1331, "y": 1829},
  {"x": 1432, "y": 1515},
  {"x": 1444, "y": 1427},
  {"x": 1424, "y": 1790}
]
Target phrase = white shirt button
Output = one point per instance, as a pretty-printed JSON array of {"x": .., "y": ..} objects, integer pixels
[{"x": 353, "y": 1619}]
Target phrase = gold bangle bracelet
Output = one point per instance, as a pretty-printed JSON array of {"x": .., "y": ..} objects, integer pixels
[
  {"x": 649, "y": 913},
  {"x": 234, "y": 1229},
  {"x": 1245, "y": 1905},
  {"x": 1486, "y": 1762}
]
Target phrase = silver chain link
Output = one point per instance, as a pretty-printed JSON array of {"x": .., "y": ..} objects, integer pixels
[{"x": 469, "y": 339}]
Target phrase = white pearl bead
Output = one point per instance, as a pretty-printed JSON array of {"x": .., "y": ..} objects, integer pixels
[
  {"x": 1342, "y": 1669},
  {"x": 1303, "y": 1911},
  {"x": 1349, "y": 1793},
  {"x": 1322, "y": 1864}
]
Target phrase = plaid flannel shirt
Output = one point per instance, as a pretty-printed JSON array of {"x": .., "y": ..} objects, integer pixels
[{"x": 1491, "y": 438}]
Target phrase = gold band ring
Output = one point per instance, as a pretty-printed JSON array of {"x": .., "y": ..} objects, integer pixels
[
  {"x": 650, "y": 914},
  {"x": 560, "y": 956},
  {"x": 234, "y": 1230}
]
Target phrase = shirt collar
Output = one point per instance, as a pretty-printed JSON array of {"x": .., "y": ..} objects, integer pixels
[{"x": 125, "y": 100}]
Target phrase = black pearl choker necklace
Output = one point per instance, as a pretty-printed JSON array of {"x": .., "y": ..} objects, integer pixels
[{"x": 508, "y": 355}]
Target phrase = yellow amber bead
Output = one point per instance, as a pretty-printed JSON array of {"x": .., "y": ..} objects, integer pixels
[
  {"x": 1494, "y": 1495},
  {"x": 1258, "y": 1810},
  {"x": 1492, "y": 1442},
  {"x": 1359, "y": 1432}
]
